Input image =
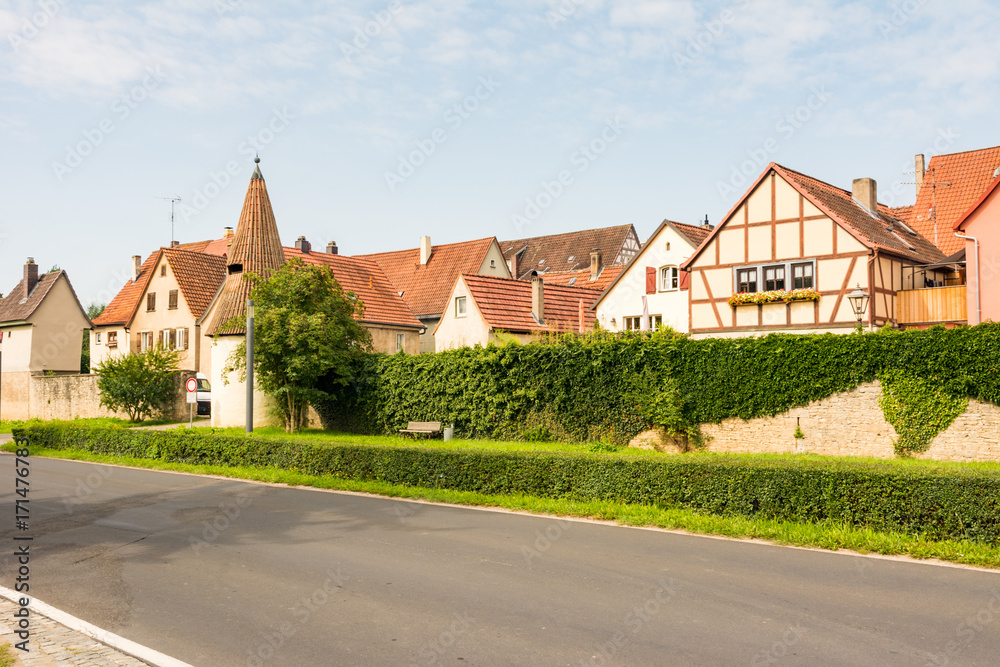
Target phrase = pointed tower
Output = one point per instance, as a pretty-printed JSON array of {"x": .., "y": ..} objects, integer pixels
[{"x": 256, "y": 249}]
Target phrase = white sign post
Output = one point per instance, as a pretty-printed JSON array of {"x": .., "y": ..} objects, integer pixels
[{"x": 192, "y": 397}]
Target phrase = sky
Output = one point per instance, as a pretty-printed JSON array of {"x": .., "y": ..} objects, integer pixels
[{"x": 379, "y": 122}]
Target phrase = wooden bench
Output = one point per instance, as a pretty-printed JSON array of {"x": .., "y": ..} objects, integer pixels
[{"x": 427, "y": 428}]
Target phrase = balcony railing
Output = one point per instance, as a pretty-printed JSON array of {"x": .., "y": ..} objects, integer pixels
[{"x": 933, "y": 305}]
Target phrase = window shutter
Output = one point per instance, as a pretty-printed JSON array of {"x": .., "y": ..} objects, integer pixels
[
  {"x": 650, "y": 280},
  {"x": 185, "y": 337},
  {"x": 685, "y": 281}
]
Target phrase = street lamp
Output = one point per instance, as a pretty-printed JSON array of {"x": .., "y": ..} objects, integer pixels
[
  {"x": 249, "y": 341},
  {"x": 859, "y": 302}
]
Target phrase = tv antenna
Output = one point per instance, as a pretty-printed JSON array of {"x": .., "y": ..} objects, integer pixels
[{"x": 173, "y": 200}]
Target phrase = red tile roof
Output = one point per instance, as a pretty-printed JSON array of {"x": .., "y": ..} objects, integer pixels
[
  {"x": 425, "y": 289},
  {"x": 256, "y": 249},
  {"x": 18, "y": 307},
  {"x": 363, "y": 276},
  {"x": 960, "y": 222},
  {"x": 506, "y": 304},
  {"x": 882, "y": 232},
  {"x": 570, "y": 251},
  {"x": 582, "y": 279},
  {"x": 122, "y": 307},
  {"x": 969, "y": 174},
  {"x": 694, "y": 233},
  {"x": 198, "y": 275}
]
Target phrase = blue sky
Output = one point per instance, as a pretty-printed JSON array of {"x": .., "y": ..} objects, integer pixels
[{"x": 378, "y": 122}]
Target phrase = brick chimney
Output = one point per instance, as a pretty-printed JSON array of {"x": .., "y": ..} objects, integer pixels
[
  {"x": 865, "y": 193},
  {"x": 595, "y": 263},
  {"x": 921, "y": 169},
  {"x": 537, "y": 298},
  {"x": 174, "y": 244},
  {"x": 302, "y": 245},
  {"x": 512, "y": 265},
  {"x": 331, "y": 248},
  {"x": 30, "y": 276},
  {"x": 136, "y": 266},
  {"x": 227, "y": 232},
  {"x": 425, "y": 250}
]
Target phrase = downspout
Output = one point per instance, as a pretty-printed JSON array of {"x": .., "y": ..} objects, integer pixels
[{"x": 979, "y": 284}]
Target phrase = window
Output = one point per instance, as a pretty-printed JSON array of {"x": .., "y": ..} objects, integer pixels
[
  {"x": 145, "y": 340},
  {"x": 172, "y": 299},
  {"x": 668, "y": 246},
  {"x": 112, "y": 339},
  {"x": 459, "y": 306},
  {"x": 151, "y": 302},
  {"x": 163, "y": 271},
  {"x": 400, "y": 342},
  {"x": 746, "y": 280},
  {"x": 181, "y": 339},
  {"x": 168, "y": 339},
  {"x": 668, "y": 278},
  {"x": 97, "y": 337},
  {"x": 774, "y": 278},
  {"x": 635, "y": 323},
  {"x": 802, "y": 276},
  {"x": 493, "y": 264}
]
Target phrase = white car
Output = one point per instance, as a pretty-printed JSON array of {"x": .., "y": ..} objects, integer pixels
[{"x": 204, "y": 395}]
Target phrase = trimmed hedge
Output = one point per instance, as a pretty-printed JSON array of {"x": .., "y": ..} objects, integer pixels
[
  {"x": 941, "y": 503},
  {"x": 584, "y": 388}
]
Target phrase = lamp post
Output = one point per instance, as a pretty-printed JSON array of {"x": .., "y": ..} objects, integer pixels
[
  {"x": 249, "y": 418},
  {"x": 859, "y": 302}
]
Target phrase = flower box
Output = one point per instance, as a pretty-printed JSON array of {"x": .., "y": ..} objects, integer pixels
[{"x": 775, "y": 296}]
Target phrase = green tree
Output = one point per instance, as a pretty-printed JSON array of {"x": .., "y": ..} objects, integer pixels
[
  {"x": 138, "y": 384},
  {"x": 307, "y": 338}
]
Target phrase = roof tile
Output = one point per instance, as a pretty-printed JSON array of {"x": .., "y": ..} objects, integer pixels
[
  {"x": 569, "y": 251},
  {"x": 506, "y": 304}
]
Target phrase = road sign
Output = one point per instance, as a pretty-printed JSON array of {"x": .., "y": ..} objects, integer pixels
[{"x": 192, "y": 390}]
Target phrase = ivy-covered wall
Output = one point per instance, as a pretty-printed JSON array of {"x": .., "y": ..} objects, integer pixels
[{"x": 599, "y": 387}]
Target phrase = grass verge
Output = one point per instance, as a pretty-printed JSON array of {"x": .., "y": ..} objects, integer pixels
[{"x": 823, "y": 535}]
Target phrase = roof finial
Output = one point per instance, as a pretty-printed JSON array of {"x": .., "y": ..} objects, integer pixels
[
  {"x": 256, "y": 169},
  {"x": 256, "y": 158}
]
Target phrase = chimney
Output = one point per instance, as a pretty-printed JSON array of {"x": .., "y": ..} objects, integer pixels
[
  {"x": 918, "y": 175},
  {"x": 595, "y": 263},
  {"x": 30, "y": 276},
  {"x": 331, "y": 248},
  {"x": 865, "y": 193},
  {"x": 537, "y": 298},
  {"x": 136, "y": 265},
  {"x": 512, "y": 265},
  {"x": 425, "y": 250},
  {"x": 302, "y": 245},
  {"x": 227, "y": 232},
  {"x": 174, "y": 244}
]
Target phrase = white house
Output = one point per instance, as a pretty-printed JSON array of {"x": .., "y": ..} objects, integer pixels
[{"x": 652, "y": 282}]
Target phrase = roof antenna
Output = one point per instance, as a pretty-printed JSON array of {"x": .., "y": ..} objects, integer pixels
[{"x": 173, "y": 200}]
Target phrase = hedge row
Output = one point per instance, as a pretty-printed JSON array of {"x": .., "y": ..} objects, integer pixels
[
  {"x": 584, "y": 388},
  {"x": 942, "y": 503}
]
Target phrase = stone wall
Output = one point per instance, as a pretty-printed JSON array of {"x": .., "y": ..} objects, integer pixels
[
  {"x": 852, "y": 424},
  {"x": 70, "y": 396}
]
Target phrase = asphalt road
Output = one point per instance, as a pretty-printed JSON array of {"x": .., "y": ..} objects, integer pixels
[{"x": 218, "y": 572}]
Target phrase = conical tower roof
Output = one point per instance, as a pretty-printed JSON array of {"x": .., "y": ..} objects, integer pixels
[{"x": 256, "y": 249}]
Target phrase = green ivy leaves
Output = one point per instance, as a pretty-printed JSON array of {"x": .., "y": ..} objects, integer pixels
[{"x": 917, "y": 409}]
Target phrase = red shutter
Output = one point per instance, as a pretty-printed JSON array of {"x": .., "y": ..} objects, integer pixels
[
  {"x": 685, "y": 281},
  {"x": 650, "y": 280}
]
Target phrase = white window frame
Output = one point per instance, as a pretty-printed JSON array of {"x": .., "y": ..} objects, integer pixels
[
  {"x": 461, "y": 309},
  {"x": 97, "y": 337},
  {"x": 400, "y": 342},
  {"x": 788, "y": 265},
  {"x": 668, "y": 278},
  {"x": 634, "y": 322},
  {"x": 180, "y": 339}
]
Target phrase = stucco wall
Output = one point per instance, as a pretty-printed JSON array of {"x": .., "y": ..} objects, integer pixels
[
  {"x": 229, "y": 400},
  {"x": 164, "y": 317},
  {"x": 454, "y": 332},
  {"x": 852, "y": 424},
  {"x": 983, "y": 225},
  {"x": 625, "y": 297},
  {"x": 384, "y": 339},
  {"x": 57, "y": 338}
]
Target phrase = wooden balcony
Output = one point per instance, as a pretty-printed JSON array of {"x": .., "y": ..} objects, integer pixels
[{"x": 933, "y": 305}]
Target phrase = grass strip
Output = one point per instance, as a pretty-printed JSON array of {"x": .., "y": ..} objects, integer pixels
[{"x": 828, "y": 535}]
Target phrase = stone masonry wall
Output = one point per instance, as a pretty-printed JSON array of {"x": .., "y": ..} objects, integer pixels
[{"x": 852, "y": 424}]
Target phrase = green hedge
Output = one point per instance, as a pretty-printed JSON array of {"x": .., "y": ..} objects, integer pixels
[
  {"x": 584, "y": 388},
  {"x": 943, "y": 503}
]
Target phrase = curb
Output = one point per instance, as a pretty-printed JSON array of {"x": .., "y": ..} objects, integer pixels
[{"x": 117, "y": 642}]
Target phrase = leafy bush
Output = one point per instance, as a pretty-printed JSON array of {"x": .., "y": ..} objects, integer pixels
[
  {"x": 140, "y": 385},
  {"x": 587, "y": 384},
  {"x": 917, "y": 409},
  {"x": 943, "y": 503}
]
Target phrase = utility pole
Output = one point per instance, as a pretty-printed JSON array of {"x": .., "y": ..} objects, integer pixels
[{"x": 249, "y": 419}]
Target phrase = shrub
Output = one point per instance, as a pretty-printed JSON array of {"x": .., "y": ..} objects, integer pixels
[
  {"x": 943, "y": 503},
  {"x": 141, "y": 384}
]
